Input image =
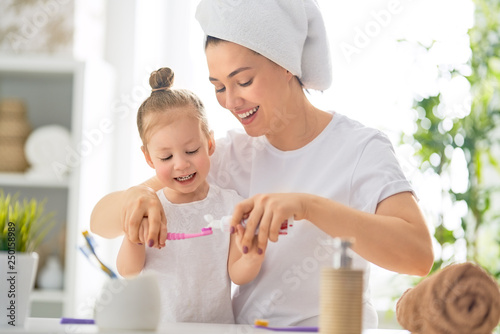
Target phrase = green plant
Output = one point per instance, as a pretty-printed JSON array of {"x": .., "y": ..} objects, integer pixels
[
  {"x": 473, "y": 132},
  {"x": 23, "y": 225}
]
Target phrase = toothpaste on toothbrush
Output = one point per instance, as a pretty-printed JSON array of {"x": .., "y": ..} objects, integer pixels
[{"x": 224, "y": 224}]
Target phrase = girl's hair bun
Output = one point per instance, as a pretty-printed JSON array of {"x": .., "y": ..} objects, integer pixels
[{"x": 161, "y": 79}]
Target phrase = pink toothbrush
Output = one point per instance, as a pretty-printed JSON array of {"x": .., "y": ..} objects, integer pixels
[{"x": 180, "y": 236}]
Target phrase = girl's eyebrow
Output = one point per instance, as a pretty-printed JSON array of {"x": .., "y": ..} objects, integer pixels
[
  {"x": 233, "y": 73},
  {"x": 166, "y": 148}
]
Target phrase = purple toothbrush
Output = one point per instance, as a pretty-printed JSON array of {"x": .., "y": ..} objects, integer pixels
[
  {"x": 289, "y": 329},
  {"x": 181, "y": 236}
]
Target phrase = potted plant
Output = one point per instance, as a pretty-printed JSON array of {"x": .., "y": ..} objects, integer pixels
[{"x": 23, "y": 225}]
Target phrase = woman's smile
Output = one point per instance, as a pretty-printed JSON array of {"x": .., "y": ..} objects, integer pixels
[
  {"x": 248, "y": 113},
  {"x": 247, "y": 116}
]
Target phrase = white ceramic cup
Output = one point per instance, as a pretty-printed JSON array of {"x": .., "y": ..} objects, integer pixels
[{"x": 132, "y": 304}]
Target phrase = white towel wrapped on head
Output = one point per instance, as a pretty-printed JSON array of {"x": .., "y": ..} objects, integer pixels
[{"x": 291, "y": 33}]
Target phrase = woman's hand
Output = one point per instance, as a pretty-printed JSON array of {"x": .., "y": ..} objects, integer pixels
[
  {"x": 143, "y": 218},
  {"x": 267, "y": 212}
]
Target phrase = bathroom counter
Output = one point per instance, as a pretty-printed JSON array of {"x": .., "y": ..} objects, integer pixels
[{"x": 52, "y": 326}]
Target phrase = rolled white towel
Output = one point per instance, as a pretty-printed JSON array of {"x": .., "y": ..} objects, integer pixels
[{"x": 291, "y": 33}]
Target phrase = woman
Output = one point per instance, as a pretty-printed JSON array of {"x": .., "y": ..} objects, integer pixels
[{"x": 336, "y": 177}]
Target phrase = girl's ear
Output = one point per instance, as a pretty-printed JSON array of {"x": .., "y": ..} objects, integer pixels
[
  {"x": 211, "y": 143},
  {"x": 147, "y": 156}
]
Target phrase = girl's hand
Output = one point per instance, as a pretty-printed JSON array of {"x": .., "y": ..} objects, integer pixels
[
  {"x": 266, "y": 211},
  {"x": 243, "y": 263},
  {"x": 143, "y": 217},
  {"x": 251, "y": 255}
]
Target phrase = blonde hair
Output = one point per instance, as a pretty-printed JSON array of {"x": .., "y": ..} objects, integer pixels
[{"x": 163, "y": 99}]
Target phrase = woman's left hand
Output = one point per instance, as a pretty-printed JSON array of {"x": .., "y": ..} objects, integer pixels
[{"x": 267, "y": 212}]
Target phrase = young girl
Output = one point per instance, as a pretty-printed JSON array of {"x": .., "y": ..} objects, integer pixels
[{"x": 193, "y": 273}]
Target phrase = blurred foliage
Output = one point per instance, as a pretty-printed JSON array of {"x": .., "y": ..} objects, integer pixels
[
  {"x": 23, "y": 224},
  {"x": 472, "y": 129}
]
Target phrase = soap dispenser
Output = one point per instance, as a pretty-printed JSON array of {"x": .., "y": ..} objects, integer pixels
[{"x": 341, "y": 293}]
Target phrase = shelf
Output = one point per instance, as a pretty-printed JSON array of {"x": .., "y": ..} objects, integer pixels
[
  {"x": 47, "y": 296},
  {"x": 37, "y": 64},
  {"x": 24, "y": 180},
  {"x": 76, "y": 96}
]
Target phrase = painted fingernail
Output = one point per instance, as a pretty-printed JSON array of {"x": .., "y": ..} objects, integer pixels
[
  {"x": 260, "y": 251},
  {"x": 151, "y": 243},
  {"x": 231, "y": 229},
  {"x": 245, "y": 249},
  {"x": 140, "y": 243}
]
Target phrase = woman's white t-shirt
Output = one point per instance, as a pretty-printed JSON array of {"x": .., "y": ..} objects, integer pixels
[{"x": 348, "y": 163}]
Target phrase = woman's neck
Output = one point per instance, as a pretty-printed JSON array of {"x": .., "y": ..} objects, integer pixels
[{"x": 302, "y": 123}]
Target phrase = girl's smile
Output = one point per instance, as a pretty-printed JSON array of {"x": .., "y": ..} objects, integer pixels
[
  {"x": 179, "y": 152},
  {"x": 187, "y": 180}
]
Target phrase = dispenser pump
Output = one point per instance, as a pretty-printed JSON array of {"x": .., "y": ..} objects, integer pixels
[
  {"x": 345, "y": 253},
  {"x": 342, "y": 257}
]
